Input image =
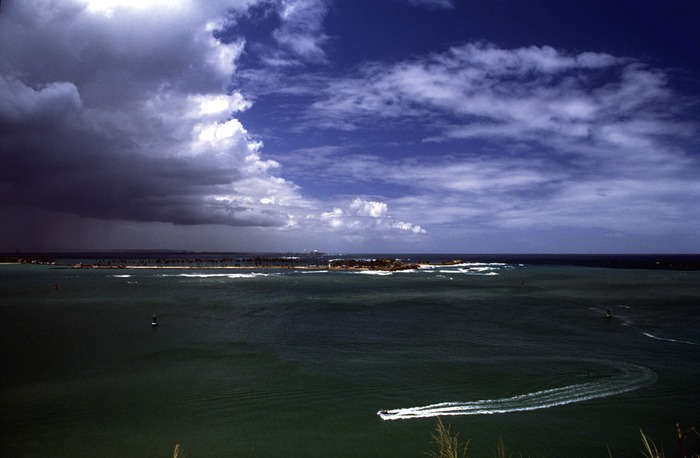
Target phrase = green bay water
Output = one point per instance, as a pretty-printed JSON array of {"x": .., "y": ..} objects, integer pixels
[{"x": 262, "y": 362}]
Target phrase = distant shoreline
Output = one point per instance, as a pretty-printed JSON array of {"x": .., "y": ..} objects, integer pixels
[
  {"x": 386, "y": 265},
  {"x": 358, "y": 261}
]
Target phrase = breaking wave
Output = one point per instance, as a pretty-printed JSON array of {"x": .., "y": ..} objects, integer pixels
[{"x": 218, "y": 275}]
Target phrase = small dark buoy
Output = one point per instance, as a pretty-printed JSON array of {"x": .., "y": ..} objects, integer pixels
[
  {"x": 154, "y": 322},
  {"x": 609, "y": 315}
]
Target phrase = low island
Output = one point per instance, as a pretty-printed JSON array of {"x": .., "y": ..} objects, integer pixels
[{"x": 252, "y": 262}]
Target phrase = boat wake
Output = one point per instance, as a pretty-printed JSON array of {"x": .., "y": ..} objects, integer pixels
[
  {"x": 665, "y": 339},
  {"x": 628, "y": 323},
  {"x": 631, "y": 377}
]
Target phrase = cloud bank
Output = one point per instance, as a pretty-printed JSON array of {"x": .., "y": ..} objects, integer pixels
[
  {"x": 125, "y": 111},
  {"x": 526, "y": 138},
  {"x": 130, "y": 114}
]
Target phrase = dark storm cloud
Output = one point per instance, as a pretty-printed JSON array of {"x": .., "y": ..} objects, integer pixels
[
  {"x": 124, "y": 111},
  {"x": 124, "y": 114},
  {"x": 70, "y": 171}
]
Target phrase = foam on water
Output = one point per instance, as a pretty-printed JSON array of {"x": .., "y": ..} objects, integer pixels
[
  {"x": 652, "y": 336},
  {"x": 470, "y": 268},
  {"x": 628, "y": 322},
  {"x": 218, "y": 275},
  {"x": 631, "y": 377},
  {"x": 486, "y": 271}
]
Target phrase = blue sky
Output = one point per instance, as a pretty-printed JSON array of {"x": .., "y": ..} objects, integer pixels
[{"x": 350, "y": 126}]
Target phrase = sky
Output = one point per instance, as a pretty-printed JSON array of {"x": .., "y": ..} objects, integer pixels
[{"x": 350, "y": 126}]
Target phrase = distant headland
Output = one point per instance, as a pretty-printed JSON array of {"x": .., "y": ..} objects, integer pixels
[{"x": 302, "y": 262}]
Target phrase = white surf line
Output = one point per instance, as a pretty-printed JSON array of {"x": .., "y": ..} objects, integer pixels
[
  {"x": 632, "y": 377},
  {"x": 218, "y": 275}
]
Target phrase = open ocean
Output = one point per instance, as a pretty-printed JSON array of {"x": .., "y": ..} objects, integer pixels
[{"x": 267, "y": 362}]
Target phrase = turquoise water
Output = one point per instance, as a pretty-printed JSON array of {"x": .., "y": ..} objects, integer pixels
[{"x": 265, "y": 362}]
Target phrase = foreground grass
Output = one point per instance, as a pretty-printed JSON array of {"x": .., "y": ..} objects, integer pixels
[
  {"x": 450, "y": 446},
  {"x": 178, "y": 453},
  {"x": 652, "y": 451}
]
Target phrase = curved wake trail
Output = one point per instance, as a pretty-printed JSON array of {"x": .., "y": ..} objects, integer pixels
[
  {"x": 652, "y": 336},
  {"x": 631, "y": 378}
]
